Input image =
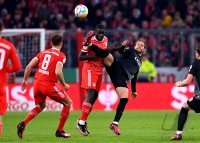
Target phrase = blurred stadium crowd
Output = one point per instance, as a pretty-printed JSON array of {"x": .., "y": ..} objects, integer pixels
[
  {"x": 115, "y": 14},
  {"x": 165, "y": 48}
]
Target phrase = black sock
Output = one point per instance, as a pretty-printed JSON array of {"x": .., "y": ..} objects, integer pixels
[
  {"x": 99, "y": 52},
  {"x": 120, "y": 108},
  {"x": 182, "y": 118}
]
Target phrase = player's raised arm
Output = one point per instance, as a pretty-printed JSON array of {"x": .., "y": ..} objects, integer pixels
[
  {"x": 27, "y": 72},
  {"x": 133, "y": 86}
]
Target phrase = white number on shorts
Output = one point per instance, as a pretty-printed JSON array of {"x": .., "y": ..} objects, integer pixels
[
  {"x": 2, "y": 57},
  {"x": 45, "y": 62}
]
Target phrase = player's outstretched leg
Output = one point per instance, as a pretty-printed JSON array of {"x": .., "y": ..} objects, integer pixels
[
  {"x": 63, "y": 118},
  {"x": 20, "y": 129},
  {"x": 181, "y": 122}
]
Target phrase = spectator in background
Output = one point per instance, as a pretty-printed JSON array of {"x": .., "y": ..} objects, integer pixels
[{"x": 147, "y": 71}]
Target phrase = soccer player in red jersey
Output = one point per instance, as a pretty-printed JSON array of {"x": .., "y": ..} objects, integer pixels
[
  {"x": 7, "y": 51},
  {"x": 49, "y": 70},
  {"x": 91, "y": 75}
]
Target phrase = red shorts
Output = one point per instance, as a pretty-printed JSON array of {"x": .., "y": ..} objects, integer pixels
[
  {"x": 52, "y": 90},
  {"x": 3, "y": 100},
  {"x": 91, "y": 80}
]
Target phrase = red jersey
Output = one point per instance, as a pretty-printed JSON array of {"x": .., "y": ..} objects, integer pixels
[
  {"x": 47, "y": 65},
  {"x": 96, "y": 65},
  {"x": 8, "y": 51}
]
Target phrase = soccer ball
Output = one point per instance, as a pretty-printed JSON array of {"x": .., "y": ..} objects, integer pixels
[{"x": 81, "y": 11}]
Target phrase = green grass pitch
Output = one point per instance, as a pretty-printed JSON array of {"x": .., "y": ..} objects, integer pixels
[{"x": 136, "y": 126}]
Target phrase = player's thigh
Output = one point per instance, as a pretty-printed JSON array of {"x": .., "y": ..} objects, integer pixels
[
  {"x": 59, "y": 94},
  {"x": 3, "y": 100},
  {"x": 194, "y": 104},
  {"x": 39, "y": 96},
  {"x": 91, "y": 80},
  {"x": 122, "y": 92}
]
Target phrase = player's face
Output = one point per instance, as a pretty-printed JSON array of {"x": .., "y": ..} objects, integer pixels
[
  {"x": 100, "y": 34},
  {"x": 139, "y": 47}
]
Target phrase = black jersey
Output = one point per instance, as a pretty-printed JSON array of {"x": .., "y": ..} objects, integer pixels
[
  {"x": 130, "y": 60},
  {"x": 195, "y": 71}
]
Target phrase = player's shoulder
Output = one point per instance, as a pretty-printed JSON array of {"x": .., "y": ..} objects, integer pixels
[{"x": 6, "y": 43}]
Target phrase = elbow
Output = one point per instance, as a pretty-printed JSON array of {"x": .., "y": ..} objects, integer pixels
[{"x": 28, "y": 67}]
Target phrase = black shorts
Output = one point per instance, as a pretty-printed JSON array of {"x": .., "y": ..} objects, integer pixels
[
  {"x": 194, "y": 104},
  {"x": 117, "y": 74}
]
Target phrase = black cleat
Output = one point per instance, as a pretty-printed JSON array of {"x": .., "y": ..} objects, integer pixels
[
  {"x": 20, "y": 129},
  {"x": 62, "y": 134},
  {"x": 82, "y": 129},
  {"x": 177, "y": 137}
]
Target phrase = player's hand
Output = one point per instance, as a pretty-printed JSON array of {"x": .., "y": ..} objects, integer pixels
[
  {"x": 87, "y": 39},
  {"x": 134, "y": 95},
  {"x": 125, "y": 43},
  {"x": 24, "y": 84},
  {"x": 178, "y": 84},
  {"x": 66, "y": 86}
]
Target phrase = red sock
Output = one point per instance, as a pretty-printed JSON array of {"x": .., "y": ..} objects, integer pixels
[
  {"x": 34, "y": 112},
  {"x": 1, "y": 128},
  {"x": 63, "y": 117},
  {"x": 86, "y": 109}
]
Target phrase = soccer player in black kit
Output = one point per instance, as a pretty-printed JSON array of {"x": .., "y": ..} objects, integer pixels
[
  {"x": 121, "y": 71},
  {"x": 194, "y": 102}
]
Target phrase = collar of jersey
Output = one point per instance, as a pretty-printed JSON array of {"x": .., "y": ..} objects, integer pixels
[
  {"x": 55, "y": 49},
  {"x": 98, "y": 40}
]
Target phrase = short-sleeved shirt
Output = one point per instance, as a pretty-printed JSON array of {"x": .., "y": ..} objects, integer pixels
[
  {"x": 195, "y": 71},
  {"x": 95, "y": 65},
  {"x": 7, "y": 51},
  {"x": 47, "y": 65}
]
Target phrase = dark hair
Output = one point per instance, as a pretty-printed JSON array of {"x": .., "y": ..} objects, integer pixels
[
  {"x": 198, "y": 48},
  {"x": 100, "y": 26},
  {"x": 142, "y": 40},
  {"x": 56, "y": 39}
]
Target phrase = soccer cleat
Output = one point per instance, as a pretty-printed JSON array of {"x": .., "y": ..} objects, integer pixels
[
  {"x": 20, "y": 129},
  {"x": 86, "y": 128},
  {"x": 177, "y": 137},
  {"x": 115, "y": 128},
  {"x": 82, "y": 129},
  {"x": 88, "y": 37},
  {"x": 62, "y": 134}
]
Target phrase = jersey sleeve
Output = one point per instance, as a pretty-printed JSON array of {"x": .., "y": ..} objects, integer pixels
[
  {"x": 193, "y": 68},
  {"x": 16, "y": 64},
  {"x": 62, "y": 58}
]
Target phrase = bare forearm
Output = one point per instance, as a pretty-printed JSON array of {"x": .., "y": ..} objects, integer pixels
[
  {"x": 61, "y": 78},
  {"x": 27, "y": 72}
]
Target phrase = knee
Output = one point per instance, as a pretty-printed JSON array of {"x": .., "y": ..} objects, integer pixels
[
  {"x": 67, "y": 102},
  {"x": 185, "y": 105},
  {"x": 42, "y": 105}
]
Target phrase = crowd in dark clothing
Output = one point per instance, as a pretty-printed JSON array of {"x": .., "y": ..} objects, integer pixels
[
  {"x": 165, "y": 48},
  {"x": 115, "y": 14}
]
